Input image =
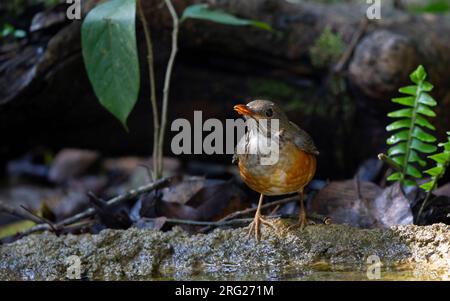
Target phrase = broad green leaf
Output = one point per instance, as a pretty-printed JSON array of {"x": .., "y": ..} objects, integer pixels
[
  {"x": 397, "y": 149},
  {"x": 441, "y": 157},
  {"x": 413, "y": 172},
  {"x": 401, "y": 113},
  {"x": 425, "y": 123},
  {"x": 203, "y": 12},
  {"x": 422, "y": 135},
  {"x": 423, "y": 147},
  {"x": 427, "y": 186},
  {"x": 426, "y": 99},
  {"x": 414, "y": 157},
  {"x": 110, "y": 55},
  {"x": 435, "y": 171},
  {"x": 424, "y": 110},
  {"x": 410, "y": 90},
  {"x": 394, "y": 177},
  {"x": 397, "y": 137},
  {"x": 418, "y": 75},
  {"x": 399, "y": 124},
  {"x": 406, "y": 101}
]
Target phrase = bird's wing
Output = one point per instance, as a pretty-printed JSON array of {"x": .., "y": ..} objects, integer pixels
[{"x": 303, "y": 140}]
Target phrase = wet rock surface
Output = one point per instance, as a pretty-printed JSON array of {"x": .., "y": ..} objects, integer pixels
[{"x": 318, "y": 252}]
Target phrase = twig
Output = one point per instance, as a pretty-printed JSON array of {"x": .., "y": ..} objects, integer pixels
[
  {"x": 112, "y": 202},
  {"x": 237, "y": 214},
  {"x": 167, "y": 78},
  {"x": 236, "y": 221},
  {"x": 42, "y": 219},
  {"x": 348, "y": 52},
  {"x": 19, "y": 213},
  {"x": 390, "y": 162},
  {"x": 151, "y": 75}
]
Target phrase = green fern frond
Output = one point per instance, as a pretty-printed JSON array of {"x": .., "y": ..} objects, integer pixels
[
  {"x": 442, "y": 162},
  {"x": 410, "y": 139}
]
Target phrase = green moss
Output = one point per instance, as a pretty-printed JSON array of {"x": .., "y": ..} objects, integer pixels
[{"x": 327, "y": 49}]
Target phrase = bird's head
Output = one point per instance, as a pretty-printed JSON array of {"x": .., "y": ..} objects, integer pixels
[{"x": 261, "y": 109}]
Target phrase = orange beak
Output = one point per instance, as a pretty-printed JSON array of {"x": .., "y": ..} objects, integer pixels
[{"x": 243, "y": 110}]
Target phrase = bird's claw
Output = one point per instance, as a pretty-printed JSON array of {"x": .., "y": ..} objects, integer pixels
[{"x": 255, "y": 226}]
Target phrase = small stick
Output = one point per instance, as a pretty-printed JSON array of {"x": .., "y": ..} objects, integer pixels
[
  {"x": 42, "y": 219},
  {"x": 390, "y": 162},
  {"x": 112, "y": 202},
  {"x": 348, "y": 52},
  {"x": 18, "y": 213}
]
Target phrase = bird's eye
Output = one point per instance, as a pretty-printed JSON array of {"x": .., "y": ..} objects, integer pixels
[{"x": 269, "y": 112}]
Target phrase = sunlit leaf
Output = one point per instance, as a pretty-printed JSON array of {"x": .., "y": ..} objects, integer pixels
[
  {"x": 423, "y": 147},
  {"x": 399, "y": 124},
  {"x": 394, "y": 177},
  {"x": 406, "y": 101},
  {"x": 426, "y": 99},
  {"x": 425, "y": 111},
  {"x": 397, "y": 149},
  {"x": 422, "y": 135},
  {"x": 410, "y": 90},
  {"x": 401, "y": 113},
  {"x": 398, "y": 137},
  {"x": 425, "y": 123}
]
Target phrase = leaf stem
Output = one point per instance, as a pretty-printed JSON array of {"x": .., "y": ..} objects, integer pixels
[
  {"x": 151, "y": 75},
  {"x": 167, "y": 78}
]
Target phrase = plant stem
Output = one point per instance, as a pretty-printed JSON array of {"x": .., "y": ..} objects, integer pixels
[
  {"x": 390, "y": 162},
  {"x": 151, "y": 74},
  {"x": 410, "y": 133},
  {"x": 166, "y": 88}
]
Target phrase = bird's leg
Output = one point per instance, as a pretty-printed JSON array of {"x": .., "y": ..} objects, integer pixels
[
  {"x": 258, "y": 220},
  {"x": 302, "y": 216},
  {"x": 302, "y": 220}
]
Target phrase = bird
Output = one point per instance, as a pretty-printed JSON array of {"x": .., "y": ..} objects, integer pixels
[{"x": 296, "y": 164}]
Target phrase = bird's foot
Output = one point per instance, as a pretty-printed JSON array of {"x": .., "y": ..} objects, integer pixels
[
  {"x": 255, "y": 226},
  {"x": 301, "y": 223}
]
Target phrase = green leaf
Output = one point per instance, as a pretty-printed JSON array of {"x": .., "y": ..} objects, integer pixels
[
  {"x": 397, "y": 149},
  {"x": 110, "y": 55},
  {"x": 441, "y": 157},
  {"x": 409, "y": 183},
  {"x": 397, "y": 137},
  {"x": 425, "y": 123},
  {"x": 426, "y": 99},
  {"x": 410, "y": 90},
  {"x": 414, "y": 158},
  {"x": 406, "y": 101},
  {"x": 426, "y": 86},
  {"x": 418, "y": 75},
  {"x": 424, "y": 110},
  {"x": 423, "y": 147},
  {"x": 203, "y": 12},
  {"x": 401, "y": 113},
  {"x": 427, "y": 186},
  {"x": 399, "y": 159},
  {"x": 422, "y": 135},
  {"x": 399, "y": 124},
  {"x": 394, "y": 177},
  {"x": 435, "y": 171},
  {"x": 413, "y": 172}
]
